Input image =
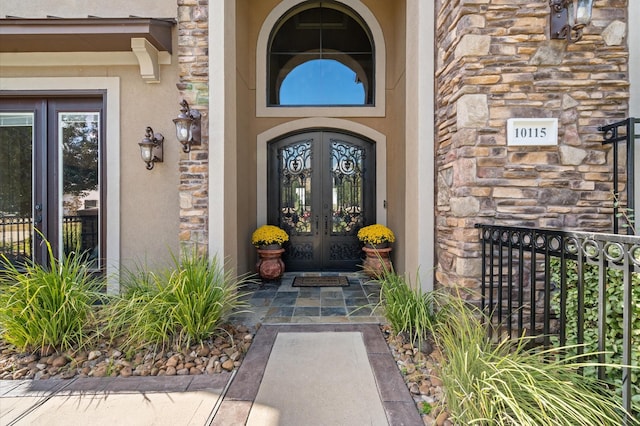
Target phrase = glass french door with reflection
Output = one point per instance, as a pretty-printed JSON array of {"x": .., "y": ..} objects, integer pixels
[
  {"x": 51, "y": 178},
  {"x": 322, "y": 191}
]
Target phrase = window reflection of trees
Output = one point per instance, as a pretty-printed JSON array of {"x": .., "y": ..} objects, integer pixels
[
  {"x": 347, "y": 172},
  {"x": 295, "y": 188}
]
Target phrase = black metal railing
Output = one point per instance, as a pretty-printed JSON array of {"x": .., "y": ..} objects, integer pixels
[
  {"x": 15, "y": 237},
  {"x": 16, "y": 233},
  {"x": 628, "y": 132},
  {"x": 529, "y": 276}
]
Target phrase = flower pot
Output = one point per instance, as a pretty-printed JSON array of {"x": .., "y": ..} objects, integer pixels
[
  {"x": 377, "y": 261},
  {"x": 270, "y": 265}
]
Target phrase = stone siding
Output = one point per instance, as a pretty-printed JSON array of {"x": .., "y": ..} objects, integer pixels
[
  {"x": 193, "y": 57},
  {"x": 495, "y": 61}
]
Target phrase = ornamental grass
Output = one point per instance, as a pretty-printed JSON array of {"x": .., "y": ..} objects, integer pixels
[
  {"x": 179, "y": 307},
  {"x": 505, "y": 383},
  {"x": 48, "y": 307}
]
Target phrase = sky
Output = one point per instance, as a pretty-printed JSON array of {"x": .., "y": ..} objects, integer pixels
[{"x": 321, "y": 82}]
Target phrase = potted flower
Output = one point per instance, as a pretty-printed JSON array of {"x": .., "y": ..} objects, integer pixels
[
  {"x": 376, "y": 236},
  {"x": 268, "y": 239},
  {"x": 376, "y": 239}
]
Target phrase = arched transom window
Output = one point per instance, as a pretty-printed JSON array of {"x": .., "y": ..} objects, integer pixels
[{"x": 321, "y": 54}]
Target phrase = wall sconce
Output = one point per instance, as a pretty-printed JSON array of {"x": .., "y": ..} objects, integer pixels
[
  {"x": 187, "y": 126},
  {"x": 151, "y": 148},
  {"x": 569, "y": 17}
]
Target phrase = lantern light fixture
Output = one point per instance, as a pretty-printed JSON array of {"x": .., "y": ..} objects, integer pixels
[
  {"x": 151, "y": 149},
  {"x": 187, "y": 126},
  {"x": 569, "y": 17}
]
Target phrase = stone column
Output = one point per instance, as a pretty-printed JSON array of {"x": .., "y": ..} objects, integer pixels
[
  {"x": 495, "y": 61},
  {"x": 193, "y": 87}
]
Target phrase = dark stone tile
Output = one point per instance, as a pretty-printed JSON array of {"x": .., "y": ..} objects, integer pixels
[
  {"x": 306, "y": 311},
  {"x": 332, "y": 294},
  {"x": 332, "y": 311},
  {"x": 332, "y": 302},
  {"x": 356, "y": 301},
  {"x": 260, "y": 301},
  {"x": 265, "y": 294},
  {"x": 359, "y": 311},
  {"x": 310, "y": 292},
  {"x": 284, "y": 299},
  {"x": 305, "y": 328},
  {"x": 280, "y": 311}
]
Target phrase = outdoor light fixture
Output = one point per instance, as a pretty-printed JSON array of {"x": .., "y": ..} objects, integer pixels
[
  {"x": 187, "y": 126},
  {"x": 151, "y": 148},
  {"x": 569, "y": 17}
]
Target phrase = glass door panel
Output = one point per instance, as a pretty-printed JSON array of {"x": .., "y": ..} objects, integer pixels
[
  {"x": 79, "y": 191},
  {"x": 295, "y": 187},
  {"x": 347, "y": 170},
  {"x": 16, "y": 183}
]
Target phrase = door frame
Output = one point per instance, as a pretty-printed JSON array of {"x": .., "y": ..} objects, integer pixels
[
  {"x": 46, "y": 195},
  {"x": 110, "y": 86},
  {"x": 321, "y": 241},
  {"x": 328, "y": 124}
]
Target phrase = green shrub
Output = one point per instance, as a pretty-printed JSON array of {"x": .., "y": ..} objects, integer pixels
[
  {"x": 180, "y": 306},
  {"x": 48, "y": 307},
  {"x": 408, "y": 310},
  {"x": 614, "y": 334},
  {"x": 505, "y": 384}
]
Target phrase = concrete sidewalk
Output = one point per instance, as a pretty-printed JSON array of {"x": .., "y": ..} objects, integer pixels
[{"x": 293, "y": 374}]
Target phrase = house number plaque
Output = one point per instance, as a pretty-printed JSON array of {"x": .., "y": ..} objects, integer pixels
[{"x": 532, "y": 131}]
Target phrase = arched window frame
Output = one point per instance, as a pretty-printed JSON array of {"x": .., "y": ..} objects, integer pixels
[{"x": 262, "y": 52}]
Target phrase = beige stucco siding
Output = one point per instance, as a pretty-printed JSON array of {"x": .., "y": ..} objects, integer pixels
[
  {"x": 148, "y": 200},
  {"x": 84, "y": 8},
  {"x": 250, "y": 15}
]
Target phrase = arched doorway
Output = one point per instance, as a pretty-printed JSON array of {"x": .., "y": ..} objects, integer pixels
[{"x": 321, "y": 190}]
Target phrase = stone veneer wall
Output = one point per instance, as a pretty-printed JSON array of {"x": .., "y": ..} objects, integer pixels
[
  {"x": 495, "y": 61},
  {"x": 193, "y": 57}
]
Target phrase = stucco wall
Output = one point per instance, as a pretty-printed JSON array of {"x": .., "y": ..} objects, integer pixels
[
  {"x": 148, "y": 215},
  {"x": 250, "y": 16},
  {"x": 83, "y": 8}
]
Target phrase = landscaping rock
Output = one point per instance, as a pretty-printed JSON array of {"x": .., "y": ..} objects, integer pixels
[{"x": 198, "y": 359}]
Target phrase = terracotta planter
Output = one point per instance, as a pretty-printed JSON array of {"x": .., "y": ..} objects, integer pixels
[
  {"x": 377, "y": 261},
  {"x": 270, "y": 265}
]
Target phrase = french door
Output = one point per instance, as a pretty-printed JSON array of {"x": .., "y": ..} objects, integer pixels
[
  {"x": 322, "y": 191},
  {"x": 51, "y": 177}
]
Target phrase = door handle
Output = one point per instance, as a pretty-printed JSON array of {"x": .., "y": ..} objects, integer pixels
[
  {"x": 38, "y": 216},
  {"x": 326, "y": 225},
  {"x": 317, "y": 224}
]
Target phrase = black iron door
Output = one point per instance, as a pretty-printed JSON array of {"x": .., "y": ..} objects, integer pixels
[{"x": 321, "y": 191}]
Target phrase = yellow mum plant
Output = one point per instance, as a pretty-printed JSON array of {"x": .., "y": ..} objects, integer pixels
[
  {"x": 269, "y": 234},
  {"x": 376, "y": 234}
]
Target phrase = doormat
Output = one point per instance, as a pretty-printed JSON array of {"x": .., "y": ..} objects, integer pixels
[{"x": 332, "y": 281}]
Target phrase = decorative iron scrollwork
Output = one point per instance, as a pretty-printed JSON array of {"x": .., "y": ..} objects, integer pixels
[
  {"x": 295, "y": 189},
  {"x": 347, "y": 171}
]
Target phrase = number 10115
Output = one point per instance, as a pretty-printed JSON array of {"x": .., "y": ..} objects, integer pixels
[{"x": 530, "y": 132}]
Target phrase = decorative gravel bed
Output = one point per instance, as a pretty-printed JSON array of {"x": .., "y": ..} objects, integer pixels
[
  {"x": 224, "y": 352},
  {"x": 419, "y": 369}
]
